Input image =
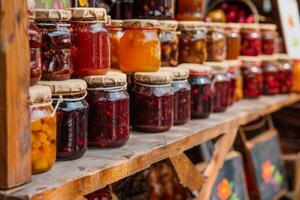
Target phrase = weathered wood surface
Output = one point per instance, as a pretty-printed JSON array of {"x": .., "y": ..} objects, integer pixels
[
  {"x": 15, "y": 164},
  {"x": 73, "y": 179}
]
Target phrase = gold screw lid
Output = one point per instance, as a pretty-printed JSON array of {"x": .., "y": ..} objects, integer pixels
[
  {"x": 67, "y": 87},
  {"x": 155, "y": 78}
]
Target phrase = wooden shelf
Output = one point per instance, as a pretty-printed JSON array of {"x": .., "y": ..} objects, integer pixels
[{"x": 72, "y": 179}]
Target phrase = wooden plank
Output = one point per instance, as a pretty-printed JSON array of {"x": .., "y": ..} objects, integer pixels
[
  {"x": 15, "y": 165},
  {"x": 74, "y": 179}
]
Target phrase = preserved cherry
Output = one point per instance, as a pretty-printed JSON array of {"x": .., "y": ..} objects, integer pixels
[
  {"x": 268, "y": 37},
  {"x": 285, "y": 76},
  {"x": 251, "y": 40},
  {"x": 157, "y": 9},
  {"x": 270, "y": 70}
]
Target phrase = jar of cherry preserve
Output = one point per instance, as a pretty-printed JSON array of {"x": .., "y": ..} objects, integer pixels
[
  {"x": 116, "y": 33},
  {"x": 157, "y": 9},
  {"x": 236, "y": 81},
  {"x": 139, "y": 49},
  {"x": 216, "y": 42},
  {"x": 56, "y": 43},
  {"x": 169, "y": 42},
  {"x": 270, "y": 70},
  {"x": 233, "y": 40},
  {"x": 192, "y": 42},
  {"x": 152, "y": 102},
  {"x": 190, "y": 10},
  {"x": 43, "y": 129},
  {"x": 182, "y": 94},
  {"x": 285, "y": 76},
  {"x": 252, "y": 76},
  {"x": 91, "y": 43},
  {"x": 109, "y": 110},
  {"x": 220, "y": 86},
  {"x": 268, "y": 37},
  {"x": 251, "y": 40},
  {"x": 201, "y": 94},
  {"x": 72, "y": 117}
]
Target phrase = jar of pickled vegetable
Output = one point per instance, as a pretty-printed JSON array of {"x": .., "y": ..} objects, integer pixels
[
  {"x": 35, "y": 42},
  {"x": 268, "y": 37},
  {"x": 116, "y": 33},
  {"x": 152, "y": 102},
  {"x": 43, "y": 129},
  {"x": 270, "y": 70},
  {"x": 157, "y": 9},
  {"x": 190, "y": 10},
  {"x": 139, "y": 49},
  {"x": 296, "y": 76},
  {"x": 236, "y": 80},
  {"x": 216, "y": 42},
  {"x": 169, "y": 42},
  {"x": 56, "y": 43},
  {"x": 109, "y": 110},
  {"x": 251, "y": 40},
  {"x": 182, "y": 94},
  {"x": 91, "y": 43},
  {"x": 285, "y": 76},
  {"x": 252, "y": 76},
  {"x": 220, "y": 86},
  {"x": 201, "y": 94},
  {"x": 192, "y": 42},
  {"x": 72, "y": 117},
  {"x": 233, "y": 40}
]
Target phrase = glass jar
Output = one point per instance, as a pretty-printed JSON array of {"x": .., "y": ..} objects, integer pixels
[
  {"x": 296, "y": 76},
  {"x": 169, "y": 42},
  {"x": 236, "y": 81},
  {"x": 220, "y": 86},
  {"x": 43, "y": 129},
  {"x": 285, "y": 76},
  {"x": 201, "y": 93},
  {"x": 91, "y": 43},
  {"x": 182, "y": 94},
  {"x": 192, "y": 42},
  {"x": 139, "y": 49},
  {"x": 155, "y": 9},
  {"x": 116, "y": 33},
  {"x": 109, "y": 110},
  {"x": 35, "y": 43},
  {"x": 268, "y": 37},
  {"x": 190, "y": 10},
  {"x": 216, "y": 42},
  {"x": 270, "y": 70},
  {"x": 251, "y": 40},
  {"x": 233, "y": 40},
  {"x": 152, "y": 102},
  {"x": 56, "y": 43},
  {"x": 72, "y": 117},
  {"x": 252, "y": 76}
]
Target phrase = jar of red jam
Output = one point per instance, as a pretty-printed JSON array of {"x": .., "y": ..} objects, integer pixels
[
  {"x": 109, "y": 110},
  {"x": 201, "y": 94},
  {"x": 234, "y": 74},
  {"x": 152, "y": 102},
  {"x": 268, "y": 37},
  {"x": 251, "y": 40},
  {"x": 192, "y": 42},
  {"x": 169, "y": 42},
  {"x": 270, "y": 70},
  {"x": 116, "y": 33},
  {"x": 233, "y": 40},
  {"x": 72, "y": 117},
  {"x": 155, "y": 9},
  {"x": 56, "y": 43},
  {"x": 182, "y": 94},
  {"x": 285, "y": 76},
  {"x": 252, "y": 76},
  {"x": 220, "y": 86},
  {"x": 91, "y": 43}
]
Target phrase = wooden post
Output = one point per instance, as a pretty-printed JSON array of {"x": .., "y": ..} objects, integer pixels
[{"x": 15, "y": 164}]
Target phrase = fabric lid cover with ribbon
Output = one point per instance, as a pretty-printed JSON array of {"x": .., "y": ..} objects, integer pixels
[
  {"x": 88, "y": 14},
  {"x": 178, "y": 73},
  {"x": 40, "y": 94},
  {"x": 218, "y": 67},
  {"x": 154, "y": 78},
  {"x": 111, "y": 79},
  {"x": 196, "y": 69},
  {"x": 191, "y": 25},
  {"x": 51, "y": 14},
  {"x": 69, "y": 87}
]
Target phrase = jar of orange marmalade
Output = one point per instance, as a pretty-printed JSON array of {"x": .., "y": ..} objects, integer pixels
[{"x": 139, "y": 47}]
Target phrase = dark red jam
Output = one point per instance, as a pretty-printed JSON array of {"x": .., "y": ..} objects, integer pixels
[
  {"x": 103, "y": 194},
  {"x": 268, "y": 43},
  {"x": 271, "y": 84},
  {"x": 108, "y": 118},
  {"x": 56, "y": 51},
  {"x": 72, "y": 121},
  {"x": 232, "y": 75},
  {"x": 182, "y": 102},
  {"x": 201, "y": 98},
  {"x": 35, "y": 42},
  {"x": 152, "y": 108},
  {"x": 285, "y": 77},
  {"x": 252, "y": 80},
  {"x": 251, "y": 42},
  {"x": 91, "y": 48},
  {"x": 221, "y": 88}
]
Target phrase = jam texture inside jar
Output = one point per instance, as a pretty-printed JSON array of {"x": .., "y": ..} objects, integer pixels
[
  {"x": 268, "y": 36},
  {"x": 233, "y": 40},
  {"x": 235, "y": 90},
  {"x": 157, "y": 9},
  {"x": 152, "y": 97},
  {"x": 285, "y": 76},
  {"x": 251, "y": 40},
  {"x": 139, "y": 49},
  {"x": 91, "y": 43},
  {"x": 190, "y": 10},
  {"x": 271, "y": 83},
  {"x": 109, "y": 110},
  {"x": 116, "y": 33}
]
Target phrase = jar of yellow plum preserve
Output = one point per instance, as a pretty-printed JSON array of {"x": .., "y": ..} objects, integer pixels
[{"x": 43, "y": 129}]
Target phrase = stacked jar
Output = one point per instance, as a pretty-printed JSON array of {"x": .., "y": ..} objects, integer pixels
[
  {"x": 158, "y": 9},
  {"x": 116, "y": 33},
  {"x": 271, "y": 84},
  {"x": 268, "y": 38},
  {"x": 233, "y": 40},
  {"x": 285, "y": 76},
  {"x": 190, "y": 10},
  {"x": 251, "y": 40}
]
